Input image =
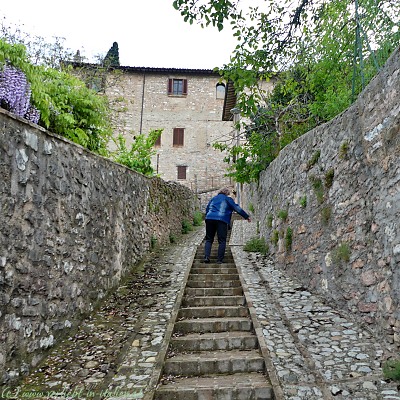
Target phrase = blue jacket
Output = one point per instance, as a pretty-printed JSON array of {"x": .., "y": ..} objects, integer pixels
[{"x": 220, "y": 208}]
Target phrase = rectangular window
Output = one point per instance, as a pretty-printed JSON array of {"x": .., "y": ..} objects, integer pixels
[
  {"x": 177, "y": 87},
  {"x": 158, "y": 142},
  {"x": 182, "y": 171},
  {"x": 177, "y": 140}
]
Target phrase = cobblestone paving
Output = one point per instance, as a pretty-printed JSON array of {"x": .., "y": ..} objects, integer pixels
[
  {"x": 114, "y": 354},
  {"x": 317, "y": 352}
]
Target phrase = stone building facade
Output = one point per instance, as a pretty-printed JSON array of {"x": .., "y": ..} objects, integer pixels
[
  {"x": 191, "y": 106},
  {"x": 187, "y": 104}
]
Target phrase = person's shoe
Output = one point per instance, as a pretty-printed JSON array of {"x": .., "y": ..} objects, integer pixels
[
  {"x": 220, "y": 262},
  {"x": 206, "y": 260}
]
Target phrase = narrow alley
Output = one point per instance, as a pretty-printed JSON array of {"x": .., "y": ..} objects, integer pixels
[{"x": 311, "y": 351}]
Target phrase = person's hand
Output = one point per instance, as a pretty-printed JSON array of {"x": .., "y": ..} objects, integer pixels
[{"x": 248, "y": 219}]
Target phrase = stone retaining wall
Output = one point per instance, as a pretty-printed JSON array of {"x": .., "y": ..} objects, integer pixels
[
  {"x": 72, "y": 224},
  {"x": 340, "y": 187}
]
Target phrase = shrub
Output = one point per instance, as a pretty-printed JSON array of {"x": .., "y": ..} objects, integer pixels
[
  {"x": 326, "y": 213},
  {"x": 283, "y": 214},
  {"x": 343, "y": 150},
  {"x": 391, "y": 370},
  {"x": 186, "y": 226},
  {"x": 172, "y": 238},
  {"x": 288, "y": 239},
  {"x": 318, "y": 188},
  {"x": 329, "y": 178},
  {"x": 257, "y": 245},
  {"x": 270, "y": 218},
  {"x": 76, "y": 112},
  {"x": 303, "y": 201},
  {"x": 313, "y": 160},
  {"x": 275, "y": 237},
  {"x": 197, "y": 218},
  {"x": 138, "y": 156},
  {"x": 341, "y": 253},
  {"x": 153, "y": 242},
  {"x": 65, "y": 105}
]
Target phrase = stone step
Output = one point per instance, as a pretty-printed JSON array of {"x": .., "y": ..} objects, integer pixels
[
  {"x": 214, "y": 352},
  {"x": 213, "y": 260},
  {"x": 222, "y": 283},
  {"x": 214, "y": 251},
  {"x": 240, "y": 386},
  {"x": 193, "y": 342},
  {"x": 214, "y": 362},
  {"x": 213, "y": 301},
  {"x": 213, "y": 312},
  {"x": 213, "y": 325},
  {"x": 209, "y": 277},
  {"x": 200, "y": 255},
  {"x": 236, "y": 291},
  {"x": 221, "y": 269}
]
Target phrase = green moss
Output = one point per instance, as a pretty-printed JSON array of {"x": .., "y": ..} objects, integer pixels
[{"x": 251, "y": 208}]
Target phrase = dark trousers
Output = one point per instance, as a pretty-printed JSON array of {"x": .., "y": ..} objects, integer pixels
[{"x": 221, "y": 229}]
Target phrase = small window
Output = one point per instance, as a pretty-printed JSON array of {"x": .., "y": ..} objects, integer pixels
[
  {"x": 177, "y": 87},
  {"x": 178, "y": 138},
  {"x": 182, "y": 171},
  {"x": 158, "y": 142},
  {"x": 220, "y": 91}
]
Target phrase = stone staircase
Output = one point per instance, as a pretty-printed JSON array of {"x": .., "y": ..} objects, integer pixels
[{"x": 214, "y": 352}]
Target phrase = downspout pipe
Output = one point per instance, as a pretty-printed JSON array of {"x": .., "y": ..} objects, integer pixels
[{"x": 142, "y": 107}]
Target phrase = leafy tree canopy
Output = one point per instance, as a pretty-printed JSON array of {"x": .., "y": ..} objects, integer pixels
[
  {"x": 319, "y": 53},
  {"x": 112, "y": 57},
  {"x": 138, "y": 156}
]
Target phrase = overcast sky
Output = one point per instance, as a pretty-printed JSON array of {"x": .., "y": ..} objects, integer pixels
[{"x": 149, "y": 33}]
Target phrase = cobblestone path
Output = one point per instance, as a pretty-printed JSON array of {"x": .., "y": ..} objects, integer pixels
[{"x": 316, "y": 352}]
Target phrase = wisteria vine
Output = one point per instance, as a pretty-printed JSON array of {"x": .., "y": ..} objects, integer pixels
[{"x": 15, "y": 94}]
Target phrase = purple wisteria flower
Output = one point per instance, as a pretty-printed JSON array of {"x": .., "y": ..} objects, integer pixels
[{"x": 15, "y": 93}]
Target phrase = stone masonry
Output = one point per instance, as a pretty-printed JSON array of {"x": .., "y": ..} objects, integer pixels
[
  {"x": 72, "y": 225},
  {"x": 141, "y": 99},
  {"x": 329, "y": 206}
]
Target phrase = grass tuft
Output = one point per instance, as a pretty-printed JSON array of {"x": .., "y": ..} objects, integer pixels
[{"x": 257, "y": 245}]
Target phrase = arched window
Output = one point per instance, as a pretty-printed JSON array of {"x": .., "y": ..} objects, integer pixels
[{"x": 220, "y": 90}]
